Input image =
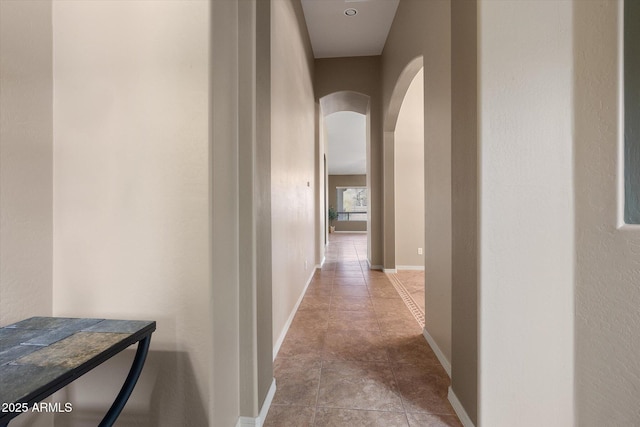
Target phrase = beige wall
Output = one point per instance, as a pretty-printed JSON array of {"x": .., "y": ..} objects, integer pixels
[
  {"x": 409, "y": 177},
  {"x": 361, "y": 75},
  {"x": 323, "y": 179},
  {"x": 320, "y": 189},
  {"x": 262, "y": 297},
  {"x": 346, "y": 181},
  {"x": 223, "y": 152},
  {"x": 254, "y": 204},
  {"x": 406, "y": 42},
  {"x": 26, "y": 137},
  {"x": 526, "y": 264},
  {"x": 131, "y": 199},
  {"x": 131, "y": 213},
  {"x": 240, "y": 111},
  {"x": 294, "y": 212},
  {"x": 437, "y": 154},
  {"x": 464, "y": 171},
  {"x": 241, "y": 182},
  {"x": 401, "y": 60},
  {"x": 132, "y": 111},
  {"x": 607, "y": 275},
  {"x": 423, "y": 29}
]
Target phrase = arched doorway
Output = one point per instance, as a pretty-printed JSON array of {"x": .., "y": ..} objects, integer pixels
[
  {"x": 409, "y": 180},
  {"x": 437, "y": 209},
  {"x": 390, "y": 123},
  {"x": 340, "y": 108}
]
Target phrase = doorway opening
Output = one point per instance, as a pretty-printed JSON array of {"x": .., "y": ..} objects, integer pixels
[
  {"x": 409, "y": 197},
  {"x": 409, "y": 179},
  {"x": 345, "y": 122}
]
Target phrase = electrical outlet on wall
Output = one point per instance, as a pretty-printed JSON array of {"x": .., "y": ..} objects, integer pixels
[
  {"x": 419, "y": 251},
  {"x": 306, "y": 263}
]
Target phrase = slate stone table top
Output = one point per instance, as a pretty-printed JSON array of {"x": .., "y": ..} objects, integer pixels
[{"x": 40, "y": 355}]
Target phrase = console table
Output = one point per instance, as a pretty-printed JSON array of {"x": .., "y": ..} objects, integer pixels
[{"x": 40, "y": 355}]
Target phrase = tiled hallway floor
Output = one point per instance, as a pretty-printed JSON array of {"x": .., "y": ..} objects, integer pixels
[{"x": 354, "y": 354}]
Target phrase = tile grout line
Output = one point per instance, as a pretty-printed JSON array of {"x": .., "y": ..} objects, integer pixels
[
  {"x": 315, "y": 411},
  {"x": 395, "y": 379},
  {"x": 341, "y": 261},
  {"x": 389, "y": 364},
  {"x": 333, "y": 274}
]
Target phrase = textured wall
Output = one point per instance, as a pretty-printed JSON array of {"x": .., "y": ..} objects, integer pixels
[
  {"x": 224, "y": 406},
  {"x": 423, "y": 29},
  {"x": 526, "y": 264},
  {"x": 26, "y": 137},
  {"x": 437, "y": 176},
  {"x": 131, "y": 214},
  {"x": 409, "y": 177},
  {"x": 607, "y": 262},
  {"x": 294, "y": 211},
  {"x": 632, "y": 111},
  {"x": 464, "y": 206},
  {"x": 341, "y": 77}
]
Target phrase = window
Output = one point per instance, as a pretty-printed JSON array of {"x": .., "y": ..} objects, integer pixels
[
  {"x": 632, "y": 112},
  {"x": 352, "y": 203}
]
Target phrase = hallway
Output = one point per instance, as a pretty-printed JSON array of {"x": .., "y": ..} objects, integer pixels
[{"x": 355, "y": 355}]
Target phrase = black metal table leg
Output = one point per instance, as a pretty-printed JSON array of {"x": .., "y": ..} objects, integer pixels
[{"x": 129, "y": 383}]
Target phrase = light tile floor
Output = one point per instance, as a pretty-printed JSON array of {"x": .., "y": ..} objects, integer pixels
[
  {"x": 413, "y": 282},
  {"x": 354, "y": 355}
]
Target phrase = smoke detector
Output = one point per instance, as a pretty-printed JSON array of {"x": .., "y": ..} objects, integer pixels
[{"x": 350, "y": 12}]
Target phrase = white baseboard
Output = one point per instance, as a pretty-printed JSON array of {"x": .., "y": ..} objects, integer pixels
[
  {"x": 460, "y": 412},
  {"x": 285, "y": 329},
  {"x": 350, "y": 232},
  {"x": 390, "y": 270},
  {"x": 410, "y": 267},
  {"x": 259, "y": 421},
  {"x": 373, "y": 267},
  {"x": 319, "y": 266},
  {"x": 266, "y": 405},
  {"x": 246, "y": 422},
  {"x": 439, "y": 354}
]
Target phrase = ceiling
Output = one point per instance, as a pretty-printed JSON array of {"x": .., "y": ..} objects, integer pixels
[
  {"x": 346, "y": 143},
  {"x": 333, "y": 34}
]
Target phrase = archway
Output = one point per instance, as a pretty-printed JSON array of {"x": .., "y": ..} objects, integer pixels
[
  {"x": 390, "y": 123},
  {"x": 345, "y": 101},
  {"x": 409, "y": 194}
]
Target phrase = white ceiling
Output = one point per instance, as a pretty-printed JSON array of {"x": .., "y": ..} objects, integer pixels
[
  {"x": 333, "y": 34},
  {"x": 346, "y": 143}
]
